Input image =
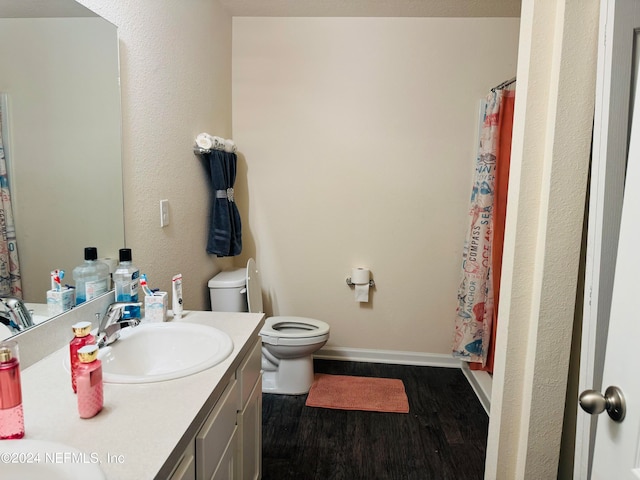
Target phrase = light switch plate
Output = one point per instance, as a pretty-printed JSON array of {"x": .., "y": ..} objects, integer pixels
[{"x": 164, "y": 213}]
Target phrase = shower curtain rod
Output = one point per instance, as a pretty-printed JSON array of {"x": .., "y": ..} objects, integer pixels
[{"x": 504, "y": 84}]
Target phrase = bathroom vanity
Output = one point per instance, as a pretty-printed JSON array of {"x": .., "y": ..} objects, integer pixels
[{"x": 202, "y": 426}]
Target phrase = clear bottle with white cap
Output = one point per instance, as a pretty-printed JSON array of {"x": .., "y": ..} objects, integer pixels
[
  {"x": 91, "y": 278},
  {"x": 126, "y": 280}
]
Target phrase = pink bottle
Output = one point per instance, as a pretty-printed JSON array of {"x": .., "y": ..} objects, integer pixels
[
  {"x": 82, "y": 337},
  {"x": 11, "y": 415},
  {"x": 89, "y": 382}
]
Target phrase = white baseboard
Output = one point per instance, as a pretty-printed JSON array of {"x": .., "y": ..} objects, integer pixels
[
  {"x": 387, "y": 356},
  {"x": 480, "y": 381}
]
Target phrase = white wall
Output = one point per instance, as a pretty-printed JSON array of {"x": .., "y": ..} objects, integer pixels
[
  {"x": 176, "y": 83},
  {"x": 550, "y": 156},
  {"x": 396, "y": 109},
  {"x": 357, "y": 140},
  {"x": 175, "y": 60}
]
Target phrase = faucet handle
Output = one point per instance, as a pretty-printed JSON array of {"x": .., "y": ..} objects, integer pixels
[
  {"x": 120, "y": 305},
  {"x": 116, "y": 310},
  {"x": 114, "y": 313}
]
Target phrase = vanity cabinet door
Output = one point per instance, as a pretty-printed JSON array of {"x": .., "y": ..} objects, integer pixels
[
  {"x": 250, "y": 428},
  {"x": 214, "y": 437},
  {"x": 227, "y": 467},
  {"x": 249, "y": 371},
  {"x": 186, "y": 469}
]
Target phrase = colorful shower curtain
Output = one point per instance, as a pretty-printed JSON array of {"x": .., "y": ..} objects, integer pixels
[
  {"x": 10, "y": 281},
  {"x": 482, "y": 252}
]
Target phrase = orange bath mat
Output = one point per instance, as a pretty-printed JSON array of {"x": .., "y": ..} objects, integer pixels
[{"x": 344, "y": 392}]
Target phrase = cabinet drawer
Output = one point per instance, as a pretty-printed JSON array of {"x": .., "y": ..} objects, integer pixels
[
  {"x": 249, "y": 372},
  {"x": 212, "y": 440}
]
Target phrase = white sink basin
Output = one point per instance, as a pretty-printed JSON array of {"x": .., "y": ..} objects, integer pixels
[
  {"x": 156, "y": 352},
  {"x": 163, "y": 351},
  {"x": 29, "y": 459}
]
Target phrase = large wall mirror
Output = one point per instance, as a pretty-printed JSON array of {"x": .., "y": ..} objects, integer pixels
[{"x": 60, "y": 79}]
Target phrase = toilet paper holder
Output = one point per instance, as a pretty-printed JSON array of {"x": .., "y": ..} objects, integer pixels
[{"x": 372, "y": 283}]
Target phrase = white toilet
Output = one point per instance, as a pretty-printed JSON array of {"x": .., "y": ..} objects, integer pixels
[{"x": 288, "y": 343}]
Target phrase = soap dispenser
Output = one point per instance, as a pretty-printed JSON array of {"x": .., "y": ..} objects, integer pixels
[
  {"x": 81, "y": 337},
  {"x": 91, "y": 278},
  {"x": 89, "y": 382},
  {"x": 11, "y": 413}
]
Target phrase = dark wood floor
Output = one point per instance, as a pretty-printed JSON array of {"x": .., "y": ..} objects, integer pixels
[{"x": 442, "y": 437}]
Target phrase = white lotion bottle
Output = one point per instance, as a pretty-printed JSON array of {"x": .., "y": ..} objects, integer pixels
[{"x": 176, "y": 296}]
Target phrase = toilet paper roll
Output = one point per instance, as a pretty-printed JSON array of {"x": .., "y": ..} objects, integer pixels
[
  {"x": 362, "y": 293},
  {"x": 360, "y": 276}
]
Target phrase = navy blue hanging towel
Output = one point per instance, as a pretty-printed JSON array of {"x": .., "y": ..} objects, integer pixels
[{"x": 225, "y": 229}]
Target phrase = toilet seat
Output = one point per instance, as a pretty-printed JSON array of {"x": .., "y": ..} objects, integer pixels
[{"x": 294, "y": 331}]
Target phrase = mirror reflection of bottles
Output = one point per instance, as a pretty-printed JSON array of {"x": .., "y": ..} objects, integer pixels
[
  {"x": 126, "y": 280},
  {"x": 91, "y": 278}
]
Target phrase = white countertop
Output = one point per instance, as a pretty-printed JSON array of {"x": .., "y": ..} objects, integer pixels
[{"x": 144, "y": 428}]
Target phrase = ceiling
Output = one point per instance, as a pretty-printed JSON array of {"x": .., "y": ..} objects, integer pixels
[
  {"x": 296, "y": 8},
  {"x": 373, "y": 8}
]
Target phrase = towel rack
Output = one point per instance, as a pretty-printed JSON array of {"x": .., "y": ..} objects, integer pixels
[{"x": 201, "y": 151}]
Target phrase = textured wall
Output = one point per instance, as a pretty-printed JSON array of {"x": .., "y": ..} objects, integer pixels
[
  {"x": 358, "y": 141},
  {"x": 548, "y": 182},
  {"x": 176, "y": 82},
  {"x": 357, "y": 145}
]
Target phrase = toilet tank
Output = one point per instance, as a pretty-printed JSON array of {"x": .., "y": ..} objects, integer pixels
[{"x": 228, "y": 291}]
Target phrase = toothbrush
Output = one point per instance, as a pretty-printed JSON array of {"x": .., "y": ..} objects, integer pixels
[
  {"x": 56, "y": 277},
  {"x": 143, "y": 284},
  {"x": 60, "y": 277}
]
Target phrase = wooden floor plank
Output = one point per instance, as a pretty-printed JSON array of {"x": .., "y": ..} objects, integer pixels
[{"x": 442, "y": 437}]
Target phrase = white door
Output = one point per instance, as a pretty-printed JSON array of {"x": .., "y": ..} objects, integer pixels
[
  {"x": 619, "y": 21},
  {"x": 617, "y": 446}
]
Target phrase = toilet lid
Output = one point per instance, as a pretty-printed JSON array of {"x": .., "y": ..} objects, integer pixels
[
  {"x": 254, "y": 288},
  {"x": 277, "y": 329}
]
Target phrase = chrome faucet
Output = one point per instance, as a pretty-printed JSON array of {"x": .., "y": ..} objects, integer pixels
[
  {"x": 15, "y": 316},
  {"x": 112, "y": 322}
]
